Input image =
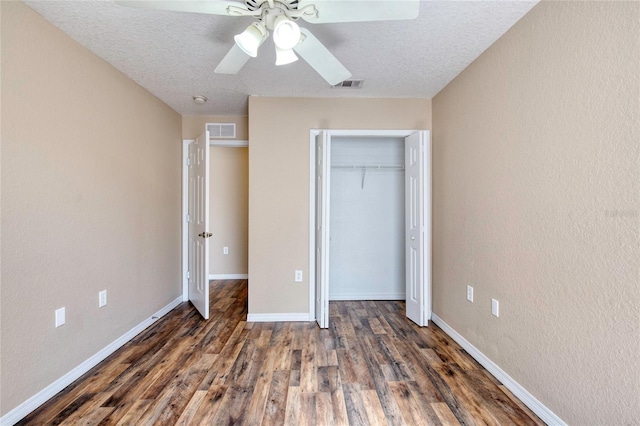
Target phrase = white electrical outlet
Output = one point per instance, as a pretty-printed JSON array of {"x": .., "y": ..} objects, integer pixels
[
  {"x": 298, "y": 276},
  {"x": 470, "y": 293},
  {"x": 495, "y": 308},
  {"x": 59, "y": 317},
  {"x": 102, "y": 298},
  {"x": 225, "y": 250}
]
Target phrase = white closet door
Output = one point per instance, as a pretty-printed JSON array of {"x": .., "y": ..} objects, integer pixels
[
  {"x": 323, "y": 162},
  {"x": 415, "y": 227}
]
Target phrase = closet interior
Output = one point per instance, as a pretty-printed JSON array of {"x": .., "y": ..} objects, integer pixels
[{"x": 367, "y": 218}]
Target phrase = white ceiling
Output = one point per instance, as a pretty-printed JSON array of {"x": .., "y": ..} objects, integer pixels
[{"x": 173, "y": 54}]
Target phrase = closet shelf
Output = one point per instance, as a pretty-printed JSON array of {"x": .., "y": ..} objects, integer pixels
[{"x": 369, "y": 167}]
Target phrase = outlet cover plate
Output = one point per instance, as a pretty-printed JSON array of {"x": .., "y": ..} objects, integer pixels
[
  {"x": 102, "y": 298},
  {"x": 298, "y": 276},
  {"x": 495, "y": 308},
  {"x": 470, "y": 293},
  {"x": 60, "y": 317}
]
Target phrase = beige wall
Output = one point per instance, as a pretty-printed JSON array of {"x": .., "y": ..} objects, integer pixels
[
  {"x": 229, "y": 210},
  {"x": 90, "y": 201},
  {"x": 536, "y": 198},
  {"x": 228, "y": 195},
  {"x": 279, "y": 184}
]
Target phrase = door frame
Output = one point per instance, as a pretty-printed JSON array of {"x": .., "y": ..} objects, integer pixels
[
  {"x": 185, "y": 224},
  {"x": 232, "y": 143},
  {"x": 426, "y": 284}
]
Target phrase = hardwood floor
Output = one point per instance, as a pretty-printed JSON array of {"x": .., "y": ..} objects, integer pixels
[{"x": 372, "y": 366}]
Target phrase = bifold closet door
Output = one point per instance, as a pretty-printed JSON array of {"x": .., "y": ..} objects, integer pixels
[
  {"x": 415, "y": 227},
  {"x": 323, "y": 155}
]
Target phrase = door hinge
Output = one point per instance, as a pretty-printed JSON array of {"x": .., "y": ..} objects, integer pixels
[
  {"x": 188, "y": 217},
  {"x": 188, "y": 274},
  {"x": 188, "y": 161}
]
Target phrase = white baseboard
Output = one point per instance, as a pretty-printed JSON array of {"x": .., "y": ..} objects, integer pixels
[
  {"x": 368, "y": 296},
  {"x": 278, "y": 317},
  {"x": 22, "y": 410},
  {"x": 228, "y": 277},
  {"x": 548, "y": 416}
]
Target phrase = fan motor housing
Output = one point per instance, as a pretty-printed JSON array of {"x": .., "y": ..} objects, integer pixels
[{"x": 253, "y": 5}]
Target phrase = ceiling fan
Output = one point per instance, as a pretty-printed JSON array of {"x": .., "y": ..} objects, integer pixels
[{"x": 280, "y": 16}]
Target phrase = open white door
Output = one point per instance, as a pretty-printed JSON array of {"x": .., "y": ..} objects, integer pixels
[
  {"x": 415, "y": 227},
  {"x": 323, "y": 151},
  {"x": 198, "y": 211}
]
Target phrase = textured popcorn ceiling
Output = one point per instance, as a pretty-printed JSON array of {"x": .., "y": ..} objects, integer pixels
[{"x": 173, "y": 54}]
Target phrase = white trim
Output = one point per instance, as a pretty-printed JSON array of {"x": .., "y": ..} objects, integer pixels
[
  {"x": 369, "y": 296},
  {"x": 185, "y": 224},
  {"x": 231, "y": 143},
  {"x": 22, "y": 410},
  {"x": 278, "y": 317},
  {"x": 428, "y": 212},
  {"x": 547, "y": 416},
  {"x": 383, "y": 133},
  {"x": 312, "y": 221},
  {"x": 428, "y": 236},
  {"x": 228, "y": 277}
]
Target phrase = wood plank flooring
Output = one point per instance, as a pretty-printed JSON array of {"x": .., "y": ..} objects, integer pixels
[{"x": 371, "y": 367}]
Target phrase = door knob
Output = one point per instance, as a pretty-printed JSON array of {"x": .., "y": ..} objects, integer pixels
[
  {"x": 205, "y": 235},
  {"x": 413, "y": 238}
]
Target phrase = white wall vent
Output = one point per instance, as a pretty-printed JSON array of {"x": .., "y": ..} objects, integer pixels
[
  {"x": 350, "y": 84},
  {"x": 222, "y": 130}
]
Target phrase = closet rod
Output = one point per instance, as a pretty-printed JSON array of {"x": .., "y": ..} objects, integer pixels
[{"x": 368, "y": 167}]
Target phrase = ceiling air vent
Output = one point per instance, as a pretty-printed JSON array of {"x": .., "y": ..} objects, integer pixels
[
  {"x": 350, "y": 84},
  {"x": 222, "y": 130}
]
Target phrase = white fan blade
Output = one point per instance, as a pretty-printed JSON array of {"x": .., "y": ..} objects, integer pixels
[
  {"x": 214, "y": 7},
  {"x": 320, "y": 59},
  {"x": 233, "y": 61},
  {"x": 360, "y": 10}
]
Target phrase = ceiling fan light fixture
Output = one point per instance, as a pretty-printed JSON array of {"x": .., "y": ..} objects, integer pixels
[
  {"x": 285, "y": 56},
  {"x": 286, "y": 33},
  {"x": 252, "y": 38}
]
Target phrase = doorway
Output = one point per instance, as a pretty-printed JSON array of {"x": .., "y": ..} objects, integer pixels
[
  {"x": 228, "y": 212},
  {"x": 370, "y": 216},
  {"x": 226, "y": 249}
]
